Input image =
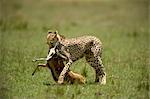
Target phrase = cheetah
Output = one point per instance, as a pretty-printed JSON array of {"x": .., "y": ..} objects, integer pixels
[{"x": 73, "y": 49}]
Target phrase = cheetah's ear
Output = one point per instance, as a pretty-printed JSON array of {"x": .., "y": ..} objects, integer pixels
[
  {"x": 57, "y": 35},
  {"x": 52, "y": 31},
  {"x": 56, "y": 32},
  {"x": 49, "y": 31}
]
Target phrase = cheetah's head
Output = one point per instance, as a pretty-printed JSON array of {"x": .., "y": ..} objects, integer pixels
[{"x": 52, "y": 38}]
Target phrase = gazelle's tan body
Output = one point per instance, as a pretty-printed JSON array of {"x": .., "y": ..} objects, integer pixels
[{"x": 56, "y": 65}]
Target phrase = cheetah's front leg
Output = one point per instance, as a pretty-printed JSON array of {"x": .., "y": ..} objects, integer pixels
[
  {"x": 67, "y": 55},
  {"x": 62, "y": 74}
]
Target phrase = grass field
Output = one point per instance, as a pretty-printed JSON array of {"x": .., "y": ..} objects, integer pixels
[{"x": 122, "y": 26}]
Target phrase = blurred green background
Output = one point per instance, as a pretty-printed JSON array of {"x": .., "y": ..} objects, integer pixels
[{"x": 121, "y": 25}]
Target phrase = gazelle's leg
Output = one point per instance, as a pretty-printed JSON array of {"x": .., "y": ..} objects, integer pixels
[
  {"x": 39, "y": 65},
  {"x": 39, "y": 59},
  {"x": 42, "y": 65}
]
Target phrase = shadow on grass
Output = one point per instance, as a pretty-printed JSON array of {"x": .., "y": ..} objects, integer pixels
[{"x": 56, "y": 84}]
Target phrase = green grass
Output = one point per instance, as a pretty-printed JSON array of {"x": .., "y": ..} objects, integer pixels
[{"x": 122, "y": 26}]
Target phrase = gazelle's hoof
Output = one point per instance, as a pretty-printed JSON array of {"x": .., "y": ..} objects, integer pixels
[{"x": 34, "y": 60}]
